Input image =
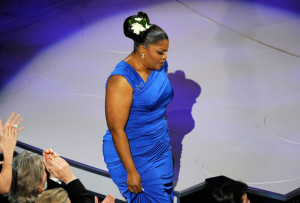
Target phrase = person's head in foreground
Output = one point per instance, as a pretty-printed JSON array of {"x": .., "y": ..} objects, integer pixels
[
  {"x": 57, "y": 195},
  {"x": 231, "y": 192},
  {"x": 29, "y": 178}
]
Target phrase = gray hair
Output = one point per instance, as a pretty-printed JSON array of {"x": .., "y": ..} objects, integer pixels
[{"x": 27, "y": 174}]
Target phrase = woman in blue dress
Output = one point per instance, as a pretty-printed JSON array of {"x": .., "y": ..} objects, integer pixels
[{"x": 136, "y": 146}]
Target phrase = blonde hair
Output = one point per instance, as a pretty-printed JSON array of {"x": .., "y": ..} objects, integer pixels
[
  {"x": 57, "y": 195},
  {"x": 27, "y": 174}
]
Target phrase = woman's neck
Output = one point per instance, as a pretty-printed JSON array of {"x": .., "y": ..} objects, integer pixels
[{"x": 135, "y": 60}]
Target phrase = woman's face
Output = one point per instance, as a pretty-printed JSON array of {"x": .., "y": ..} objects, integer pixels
[{"x": 155, "y": 54}]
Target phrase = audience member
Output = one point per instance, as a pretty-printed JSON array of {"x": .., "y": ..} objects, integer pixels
[
  {"x": 29, "y": 178},
  {"x": 25, "y": 177},
  {"x": 231, "y": 192},
  {"x": 56, "y": 195},
  {"x": 8, "y": 140}
]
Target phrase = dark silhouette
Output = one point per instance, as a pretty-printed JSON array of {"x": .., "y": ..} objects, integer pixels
[{"x": 179, "y": 115}]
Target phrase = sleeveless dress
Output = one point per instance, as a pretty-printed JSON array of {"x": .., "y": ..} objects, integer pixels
[{"x": 148, "y": 134}]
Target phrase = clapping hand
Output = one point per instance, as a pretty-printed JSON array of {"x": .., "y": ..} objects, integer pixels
[
  {"x": 47, "y": 154},
  {"x": 57, "y": 166}
]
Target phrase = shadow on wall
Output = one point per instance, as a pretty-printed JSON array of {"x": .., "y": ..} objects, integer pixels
[{"x": 179, "y": 113}]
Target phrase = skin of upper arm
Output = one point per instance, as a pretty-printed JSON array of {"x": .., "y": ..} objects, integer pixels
[{"x": 118, "y": 99}]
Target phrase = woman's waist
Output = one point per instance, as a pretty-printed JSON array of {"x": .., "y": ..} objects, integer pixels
[
  {"x": 149, "y": 133},
  {"x": 145, "y": 147},
  {"x": 151, "y": 149}
]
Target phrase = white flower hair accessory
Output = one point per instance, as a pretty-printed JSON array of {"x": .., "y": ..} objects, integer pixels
[{"x": 138, "y": 25}]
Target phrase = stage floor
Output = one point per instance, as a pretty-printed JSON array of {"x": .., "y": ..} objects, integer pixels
[{"x": 234, "y": 66}]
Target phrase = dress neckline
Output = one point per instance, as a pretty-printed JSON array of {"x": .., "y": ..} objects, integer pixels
[{"x": 140, "y": 77}]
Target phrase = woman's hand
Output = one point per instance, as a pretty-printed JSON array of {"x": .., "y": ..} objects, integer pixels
[
  {"x": 134, "y": 182},
  {"x": 12, "y": 120},
  {"x": 8, "y": 140}
]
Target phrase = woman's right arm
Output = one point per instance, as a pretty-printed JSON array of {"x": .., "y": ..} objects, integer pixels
[
  {"x": 8, "y": 141},
  {"x": 8, "y": 144},
  {"x": 118, "y": 101}
]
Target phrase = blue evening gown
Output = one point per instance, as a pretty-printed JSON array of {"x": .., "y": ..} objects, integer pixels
[{"x": 148, "y": 134}]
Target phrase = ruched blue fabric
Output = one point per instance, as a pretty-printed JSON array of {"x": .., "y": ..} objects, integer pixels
[{"x": 148, "y": 134}]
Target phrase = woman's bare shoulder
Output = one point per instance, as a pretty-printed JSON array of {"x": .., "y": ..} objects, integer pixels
[{"x": 118, "y": 82}]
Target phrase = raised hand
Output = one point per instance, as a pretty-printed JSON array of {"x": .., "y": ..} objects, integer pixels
[
  {"x": 13, "y": 120},
  {"x": 7, "y": 144},
  {"x": 8, "y": 140}
]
